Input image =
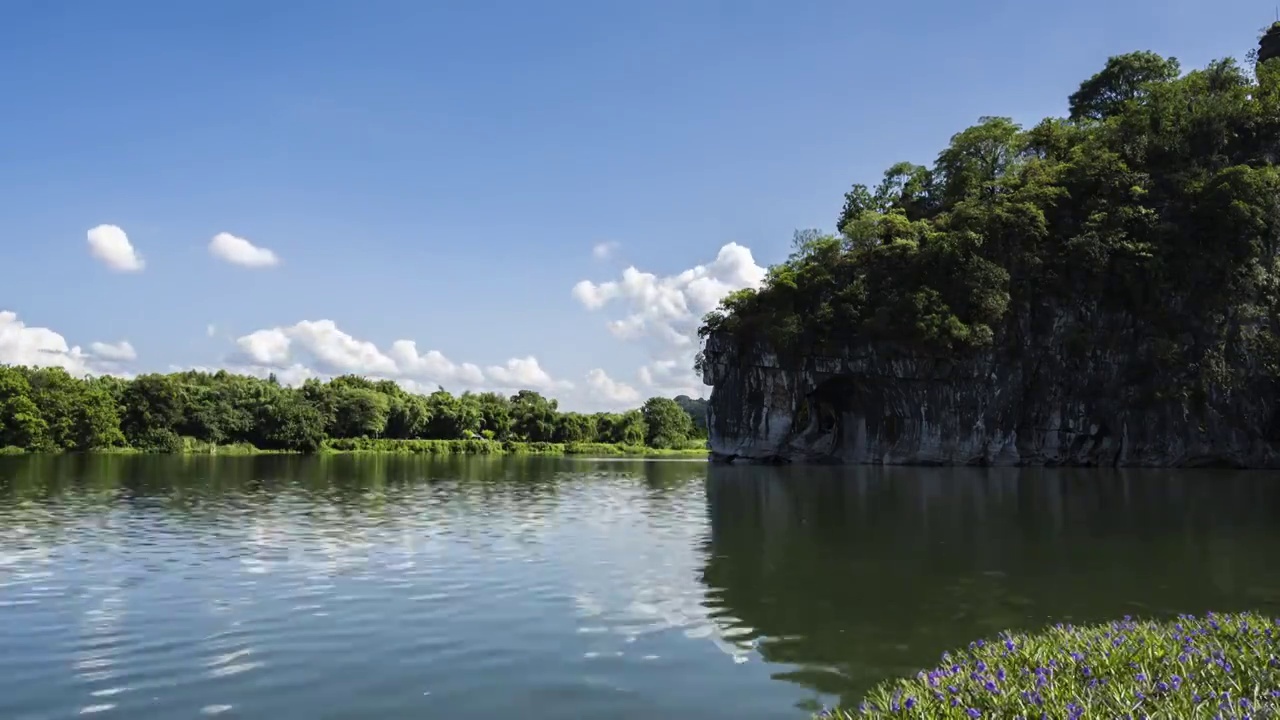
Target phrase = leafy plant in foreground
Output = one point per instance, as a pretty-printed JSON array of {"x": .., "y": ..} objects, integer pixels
[{"x": 1218, "y": 666}]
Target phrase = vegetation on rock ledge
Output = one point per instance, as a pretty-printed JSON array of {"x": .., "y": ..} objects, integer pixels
[
  {"x": 48, "y": 410},
  {"x": 1157, "y": 199}
]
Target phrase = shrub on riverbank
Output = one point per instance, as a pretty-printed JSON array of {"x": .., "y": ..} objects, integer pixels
[
  {"x": 192, "y": 446},
  {"x": 1218, "y": 666},
  {"x": 498, "y": 447}
]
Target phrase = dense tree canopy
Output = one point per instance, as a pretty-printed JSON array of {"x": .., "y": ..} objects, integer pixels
[
  {"x": 1157, "y": 199},
  {"x": 46, "y": 409}
]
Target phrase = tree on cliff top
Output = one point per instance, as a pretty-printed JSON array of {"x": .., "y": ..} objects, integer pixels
[{"x": 1158, "y": 198}]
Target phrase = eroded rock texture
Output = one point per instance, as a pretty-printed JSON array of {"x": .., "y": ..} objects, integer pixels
[{"x": 1046, "y": 402}]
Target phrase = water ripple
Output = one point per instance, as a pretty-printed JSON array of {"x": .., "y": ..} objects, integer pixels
[{"x": 363, "y": 601}]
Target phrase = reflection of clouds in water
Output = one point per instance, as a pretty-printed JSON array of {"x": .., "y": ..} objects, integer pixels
[
  {"x": 276, "y": 542},
  {"x": 98, "y": 647},
  {"x": 632, "y": 553},
  {"x": 24, "y": 561},
  {"x": 228, "y": 651},
  {"x": 302, "y": 557},
  {"x": 637, "y": 571}
]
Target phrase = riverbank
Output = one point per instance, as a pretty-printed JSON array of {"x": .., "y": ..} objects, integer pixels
[
  {"x": 1215, "y": 666},
  {"x": 505, "y": 447},
  {"x": 428, "y": 447}
]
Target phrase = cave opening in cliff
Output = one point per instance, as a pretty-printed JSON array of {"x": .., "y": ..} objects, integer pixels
[{"x": 828, "y": 403}]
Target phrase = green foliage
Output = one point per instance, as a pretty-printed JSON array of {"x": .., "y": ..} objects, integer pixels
[
  {"x": 494, "y": 447},
  {"x": 20, "y": 422},
  {"x": 1123, "y": 79},
  {"x": 416, "y": 447},
  {"x": 669, "y": 426},
  {"x": 697, "y": 409},
  {"x": 44, "y": 410},
  {"x": 1212, "y": 667},
  {"x": 1157, "y": 199}
]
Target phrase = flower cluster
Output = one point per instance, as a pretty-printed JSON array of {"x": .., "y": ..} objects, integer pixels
[{"x": 1218, "y": 666}]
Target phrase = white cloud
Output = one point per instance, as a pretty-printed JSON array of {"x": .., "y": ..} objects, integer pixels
[
  {"x": 664, "y": 312},
  {"x": 266, "y": 347},
  {"x": 659, "y": 372},
  {"x": 210, "y": 330},
  {"x": 326, "y": 350},
  {"x": 661, "y": 312},
  {"x": 339, "y": 351},
  {"x": 604, "y": 250},
  {"x": 119, "y": 352},
  {"x": 21, "y": 344},
  {"x": 610, "y": 392},
  {"x": 111, "y": 245},
  {"x": 433, "y": 364},
  {"x": 238, "y": 251},
  {"x": 524, "y": 373},
  {"x": 334, "y": 350},
  {"x": 670, "y": 377}
]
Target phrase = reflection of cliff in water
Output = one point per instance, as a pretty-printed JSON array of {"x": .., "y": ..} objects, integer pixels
[{"x": 851, "y": 575}]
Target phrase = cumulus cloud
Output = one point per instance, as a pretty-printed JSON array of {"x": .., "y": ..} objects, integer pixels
[
  {"x": 266, "y": 347},
  {"x": 659, "y": 372},
  {"x": 433, "y": 364},
  {"x": 524, "y": 373},
  {"x": 327, "y": 350},
  {"x": 604, "y": 250},
  {"x": 664, "y": 312},
  {"x": 21, "y": 344},
  {"x": 604, "y": 390},
  {"x": 117, "y": 352},
  {"x": 110, "y": 244},
  {"x": 238, "y": 251},
  {"x": 320, "y": 349}
]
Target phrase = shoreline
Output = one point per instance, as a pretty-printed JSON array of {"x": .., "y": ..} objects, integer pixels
[{"x": 364, "y": 446}]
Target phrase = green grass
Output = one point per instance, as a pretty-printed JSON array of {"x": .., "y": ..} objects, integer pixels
[
  {"x": 698, "y": 449},
  {"x": 1218, "y": 666},
  {"x": 192, "y": 446}
]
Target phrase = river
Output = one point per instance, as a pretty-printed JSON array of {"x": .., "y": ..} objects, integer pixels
[{"x": 397, "y": 587}]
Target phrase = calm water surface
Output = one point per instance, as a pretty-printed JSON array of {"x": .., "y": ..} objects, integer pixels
[{"x": 383, "y": 587}]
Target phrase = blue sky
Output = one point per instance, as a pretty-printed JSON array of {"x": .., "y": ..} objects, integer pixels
[{"x": 440, "y": 172}]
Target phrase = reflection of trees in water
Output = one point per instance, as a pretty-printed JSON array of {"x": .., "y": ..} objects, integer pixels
[{"x": 854, "y": 574}]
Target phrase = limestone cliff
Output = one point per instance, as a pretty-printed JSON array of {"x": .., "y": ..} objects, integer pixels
[
  {"x": 1041, "y": 403},
  {"x": 1096, "y": 290}
]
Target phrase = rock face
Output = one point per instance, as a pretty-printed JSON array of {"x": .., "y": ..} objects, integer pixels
[
  {"x": 1050, "y": 402},
  {"x": 1269, "y": 45}
]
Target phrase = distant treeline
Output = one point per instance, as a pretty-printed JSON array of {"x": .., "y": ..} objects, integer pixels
[{"x": 49, "y": 410}]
